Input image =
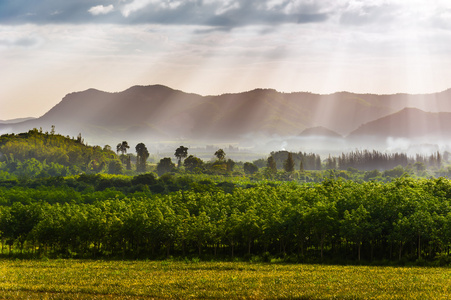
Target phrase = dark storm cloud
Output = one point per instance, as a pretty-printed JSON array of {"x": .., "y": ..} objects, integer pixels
[{"x": 222, "y": 14}]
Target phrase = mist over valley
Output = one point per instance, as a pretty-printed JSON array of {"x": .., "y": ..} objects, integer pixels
[{"x": 253, "y": 123}]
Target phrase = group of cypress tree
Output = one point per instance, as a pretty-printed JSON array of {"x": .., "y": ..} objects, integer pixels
[{"x": 364, "y": 160}]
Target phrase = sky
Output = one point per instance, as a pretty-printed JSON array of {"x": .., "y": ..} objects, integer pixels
[{"x": 49, "y": 48}]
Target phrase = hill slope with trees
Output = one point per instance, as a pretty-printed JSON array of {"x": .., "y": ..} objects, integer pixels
[{"x": 50, "y": 154}]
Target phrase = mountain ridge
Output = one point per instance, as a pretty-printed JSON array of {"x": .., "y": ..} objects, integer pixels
[{"x": 159, "y": 113}]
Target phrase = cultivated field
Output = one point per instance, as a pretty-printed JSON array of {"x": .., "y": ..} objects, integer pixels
[{"x": 82, "y": 279}]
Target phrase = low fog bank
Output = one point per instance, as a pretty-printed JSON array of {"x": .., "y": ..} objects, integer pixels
[
  {"x": 259, "y": 145},
  {"x": 335, "y": 146},
  {"x": 252, "y": 148}
]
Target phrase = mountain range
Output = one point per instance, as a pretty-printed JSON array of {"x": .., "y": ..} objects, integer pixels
[{"x": 158, "y": 113}]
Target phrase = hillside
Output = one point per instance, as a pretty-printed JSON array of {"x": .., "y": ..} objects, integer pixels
[{"x": 34, "y": 152}]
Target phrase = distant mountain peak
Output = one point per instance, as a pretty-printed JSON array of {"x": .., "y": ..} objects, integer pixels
[
  {"x": 410, "y": 110},
  {"x": 149, "y": 87}
]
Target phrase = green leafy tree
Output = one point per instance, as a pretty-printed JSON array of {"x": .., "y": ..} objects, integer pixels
[
  {"x": 142, "y": 154},
  {"x": 200, "y": 230},
  {"x": 192, "y": 163},
  {"x": 322, "y": 219},
  {"x": 23, "y": 220},
  {"x": 230, "y": 165},
  {"x": 371, "y": 175},
  {"x": 220, "y": 154},
  {"x": 402, "y": 232},
  {"x": 250, "y": 168},
  {"x": 165, "y": 166},
  {"x": 148, "y": 178},
  {"x": 114, "y": 167},
  {"x": 394, "y": 173},
  {"x": 271, "y": 164},
  {"x": 289, "y": 163},
  {"x": 298, "y": 227},
  {"x": 122, "y": 147},
  {"x": 422, "y": 224},
  {"x": 181, "y": 153},
  {"x": 251, "y": 227},
  {"x": 355, "y": 225}
]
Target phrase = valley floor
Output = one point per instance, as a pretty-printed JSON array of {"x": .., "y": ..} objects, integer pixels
[{"x": 88, "y": 279}]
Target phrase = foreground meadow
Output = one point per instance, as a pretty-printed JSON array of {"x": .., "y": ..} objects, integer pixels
[{"x": 81, "y": 279}]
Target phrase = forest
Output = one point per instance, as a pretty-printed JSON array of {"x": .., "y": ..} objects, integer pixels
[{"x": 62, "y": 198}]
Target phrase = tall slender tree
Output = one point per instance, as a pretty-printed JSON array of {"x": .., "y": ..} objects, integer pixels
[
  {"x": 142, "y": 154},
  {"x": 289, "y": 163},
  {"x": 271, "y": 164},
  {"x": 181, "y": 153}
]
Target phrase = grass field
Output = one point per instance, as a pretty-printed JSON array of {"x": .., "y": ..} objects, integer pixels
[{"x": 80, "y": 279}]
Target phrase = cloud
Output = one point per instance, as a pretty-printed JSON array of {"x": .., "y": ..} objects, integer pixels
[
  {"x": 221, "y": 14},
  {"x": 101, "y": 10},
  {"x": 227, "y": 6},
  {"x": 155, "y": 5},
  {"x": 362, "y": 13},
  {"x": 22, "y": 42},
  {"x": 206, "y": 16},
  {"x": 136, "y": 5},
  {"x": 228, "y": 13}
]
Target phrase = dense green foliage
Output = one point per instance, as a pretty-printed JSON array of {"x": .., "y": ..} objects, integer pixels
[
  {"x": 96, "y": 215},
  {"x": 194, "y": 279},
  {"x": 42, "y": 154},
  {"x": 55, "y": 199}
]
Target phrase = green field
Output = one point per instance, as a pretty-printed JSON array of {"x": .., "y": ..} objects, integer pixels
[{"x": 84, "y": 279}]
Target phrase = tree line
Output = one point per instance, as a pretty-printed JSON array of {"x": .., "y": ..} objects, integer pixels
[
  {"x": 363, "y": 160},
  {"x": 38, "y": 154},
  {"x": 403, "y": 220}
]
